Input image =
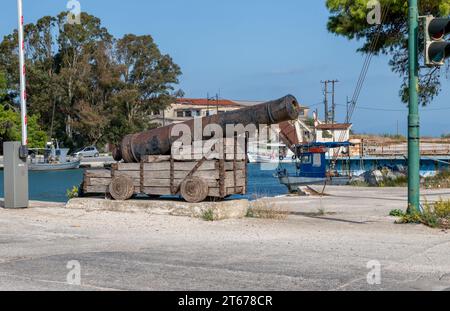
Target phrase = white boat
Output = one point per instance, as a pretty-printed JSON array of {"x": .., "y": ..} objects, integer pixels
[
  {"x": 270, "y": 153},
  {"x": 51, "y": 159}
]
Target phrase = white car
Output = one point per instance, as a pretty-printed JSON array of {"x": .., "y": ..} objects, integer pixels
[{"x": 87, "y": 152}]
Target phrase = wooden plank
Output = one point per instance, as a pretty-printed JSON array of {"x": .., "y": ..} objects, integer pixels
[
  {"x": 130, "y": 174},
  {"x": 164, "y": 166},
  {"x": 97, "y": 173},
  {"x": 97, "y": 181},
  {"x": 177, "y": 182},
  {"x": 179, "y": 166},
  {"x": 126, "y": 166},
  {"x": 209, "y": 175},
  {"x": 155, "y": 158},
  {"x": 157, "y": 190},
  {"x": 213, "y": 192},
  {"x": 95, "y": 189},
  {"x": 214, "y": 174}
]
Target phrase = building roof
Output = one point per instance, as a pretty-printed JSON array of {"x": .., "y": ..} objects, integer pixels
[
  {"x": 205, "y": 102},
  {"x": 335, "y": 126}
]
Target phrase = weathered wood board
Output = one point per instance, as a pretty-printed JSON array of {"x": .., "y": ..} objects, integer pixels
[{"x": 164, "y": 175}]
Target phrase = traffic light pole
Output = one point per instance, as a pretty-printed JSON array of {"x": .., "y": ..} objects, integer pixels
[{"x": 413, "y": 118}]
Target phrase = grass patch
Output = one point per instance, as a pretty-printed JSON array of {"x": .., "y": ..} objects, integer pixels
[
  {"x": 265, "y": 210},
  {"x": 434, "y": 215},
  {"x": 208, "y": 215},
  {"x": 397, "y": 213}
]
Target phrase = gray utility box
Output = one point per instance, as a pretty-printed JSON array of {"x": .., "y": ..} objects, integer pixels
[{"x": 15, "y": 176}]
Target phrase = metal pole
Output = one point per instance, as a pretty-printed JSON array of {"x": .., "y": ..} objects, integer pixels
[
  {"x": 326, "y": 101},
  {"x": 413, "y": 118},
  {"x": 333, "y": 105},
  {"x": 23, "y": 94}
]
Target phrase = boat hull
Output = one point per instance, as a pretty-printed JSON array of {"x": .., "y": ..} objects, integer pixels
[
  {"x": 54, "y": 167},
  {"x": 294, "y": 182}
]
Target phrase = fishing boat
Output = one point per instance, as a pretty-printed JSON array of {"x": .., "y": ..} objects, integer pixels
[
  {"x": 312, "y": 167},
  {"x": 52, "y": 158},
  {"x": 270, "y": 153}
]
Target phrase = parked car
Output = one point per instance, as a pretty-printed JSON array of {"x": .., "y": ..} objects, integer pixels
[{"x": 87, "y": 152}]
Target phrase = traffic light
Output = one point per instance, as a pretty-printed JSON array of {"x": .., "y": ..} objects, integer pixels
[{"x": 437, "y": 49}]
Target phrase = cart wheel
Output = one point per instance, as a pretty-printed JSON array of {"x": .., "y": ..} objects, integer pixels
[
  {"x": 194, "y": 190},
  {"x": 121, "y": 188}
]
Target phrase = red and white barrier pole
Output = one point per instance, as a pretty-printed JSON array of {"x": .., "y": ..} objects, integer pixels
[{"x": 23, "y": 92}]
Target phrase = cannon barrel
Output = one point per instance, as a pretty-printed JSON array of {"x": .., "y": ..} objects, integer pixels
[{"x": 159, "y": 141}]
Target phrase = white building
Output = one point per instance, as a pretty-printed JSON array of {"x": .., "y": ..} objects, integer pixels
[{"x": 337, "y": 132}]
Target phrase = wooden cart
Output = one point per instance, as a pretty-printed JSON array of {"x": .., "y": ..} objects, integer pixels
[{"x": 190, "y": 173}]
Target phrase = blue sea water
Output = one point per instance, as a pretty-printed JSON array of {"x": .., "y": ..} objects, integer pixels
[{"x": 52, "y": 186}]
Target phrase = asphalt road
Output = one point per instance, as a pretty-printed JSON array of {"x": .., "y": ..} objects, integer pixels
[{"x": 141, "y": 251}]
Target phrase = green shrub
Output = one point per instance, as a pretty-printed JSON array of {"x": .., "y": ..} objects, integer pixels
[
  {"x": 434, "y": 215},
  {"x": 397, "y": 213},
  {"x": 208, "y": 215},
  {"x": 73, "y": 193}
]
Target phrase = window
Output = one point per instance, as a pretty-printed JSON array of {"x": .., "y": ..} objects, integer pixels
[
  {"x": 188, "y": 114},
  {"x": 317, "y": 162},
  {"x": 179, "y": 114},
  {"x": 306, "y": 159}
]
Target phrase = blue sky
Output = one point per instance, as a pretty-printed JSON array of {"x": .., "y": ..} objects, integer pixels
[{"x": 255, "y": 50}]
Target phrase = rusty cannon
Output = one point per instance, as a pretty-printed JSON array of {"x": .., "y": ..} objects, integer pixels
[{"x": 135, "y": 147}]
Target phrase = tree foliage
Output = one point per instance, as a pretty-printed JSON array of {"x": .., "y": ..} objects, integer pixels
[
  {"x": 86, "y": 86},
  {"x": 349, "y": 19},
  {"x": 10, "y": 128}
]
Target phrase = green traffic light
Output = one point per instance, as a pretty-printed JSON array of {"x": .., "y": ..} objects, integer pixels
[{"x": 439, "y": 51}]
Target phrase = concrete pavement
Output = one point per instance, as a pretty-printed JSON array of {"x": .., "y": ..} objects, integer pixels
[{"x": 306, "y": 251}]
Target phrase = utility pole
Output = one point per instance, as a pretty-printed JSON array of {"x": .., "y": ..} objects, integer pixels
[
  {"x": 413, "y": 118},
  {"x": 333, "y": 109},
  {"x": 217, "y": 103},
  {"x": 330, "y": 115},
  {"x": 326, "y": 100},
  {"x": 207, "y": 104}
]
